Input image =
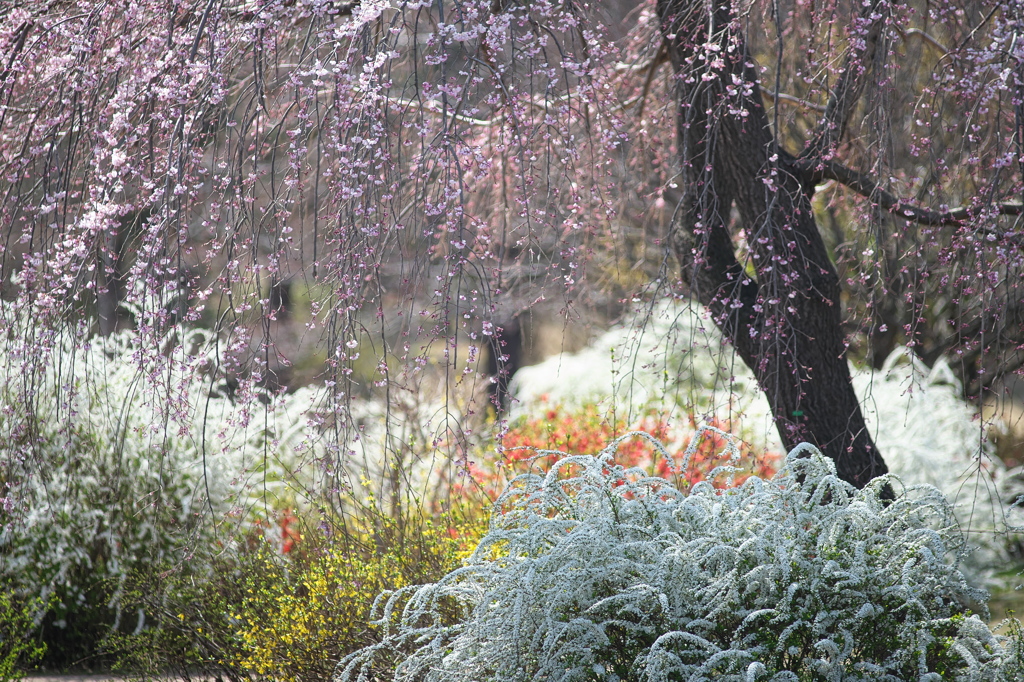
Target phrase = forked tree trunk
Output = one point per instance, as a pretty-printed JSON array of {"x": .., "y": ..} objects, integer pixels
[{"x": 781, "y": 310}]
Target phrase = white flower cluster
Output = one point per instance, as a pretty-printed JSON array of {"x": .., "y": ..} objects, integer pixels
[
  {"x": 595, "y": 572},
  {"x": 672, "y": 355},
  {"x": 929, "y": 434},
  {"x": 108, "y": 468},
  {"x": 404, "y": 449},
  {"x": 667, "y": 356}
]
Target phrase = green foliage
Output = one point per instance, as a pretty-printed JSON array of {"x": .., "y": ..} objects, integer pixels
[
  {"x": 261, "y": 614},
  {"x": 1014, "y": 658},
  {"x": 103, "y": 478},
  {"x": 183, "y": 625},
  {"x": 18, "y": 650}
]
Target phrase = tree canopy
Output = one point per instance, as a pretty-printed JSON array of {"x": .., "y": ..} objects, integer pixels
[{"x": 828, "y": 178}]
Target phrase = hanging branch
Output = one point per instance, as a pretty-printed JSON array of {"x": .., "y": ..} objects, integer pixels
[{"x": 849, "y": 87}]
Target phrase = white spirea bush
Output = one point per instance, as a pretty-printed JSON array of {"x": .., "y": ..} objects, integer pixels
[
  {"x": 929, "y": 434},
  {"x": 672, "y": 355},
  {"x": 594, "y": 572},
  {"x": 107, "y": 469},
  {"x": 668, "y": 356}
]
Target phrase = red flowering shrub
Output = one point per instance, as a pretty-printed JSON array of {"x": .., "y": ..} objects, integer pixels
[{"x": 587, "y": 431}]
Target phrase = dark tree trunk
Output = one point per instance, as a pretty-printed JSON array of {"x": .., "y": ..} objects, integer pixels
[
  {"x": 504, "y": 359},
  {"x": 280, "y": 296},
  {"x": 108, "y": 294},
  {"x": 781, "y": 309}
]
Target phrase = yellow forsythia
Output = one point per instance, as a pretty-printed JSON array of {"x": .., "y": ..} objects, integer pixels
[{"x": 301, "y": 615}]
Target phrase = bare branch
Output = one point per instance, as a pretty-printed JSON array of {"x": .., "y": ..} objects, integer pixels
[
  {"x": 783, "y": 97},
  {"x": 250, "y": 11},
  {"x": 658, "y": 60},
  {"x": 866, "y": 186},
  {"x": 926, "y": 37},
  {"x": 434, "y": 107},
  {"x": 660, "y": 57},
  {"x": 849, "y": 87}
]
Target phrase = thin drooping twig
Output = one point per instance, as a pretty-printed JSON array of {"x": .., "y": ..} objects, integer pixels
[{"x": 849, "y": 87}]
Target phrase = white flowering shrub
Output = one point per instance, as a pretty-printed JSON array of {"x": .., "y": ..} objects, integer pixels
[
  {"x": 668, "y": 356},
  {"x": 591, "y": 571},
  {"x": 673, "y": 356},
  {"x": 406, "y": 449},
  {"x": 103, "y": 474},
  {"x": 929, "y": 434}
]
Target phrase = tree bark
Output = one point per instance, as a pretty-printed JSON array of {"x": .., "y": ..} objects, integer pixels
[
  {"x": 780, "y": 309},
  {"x": 504, "y": 359}
]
